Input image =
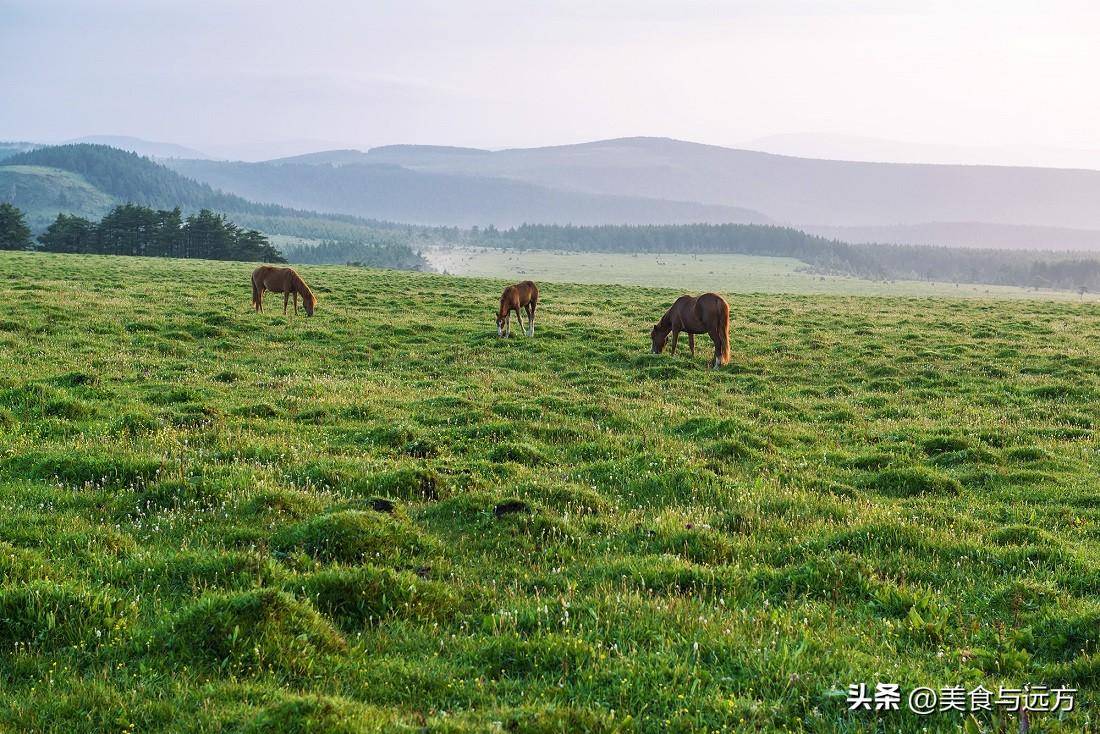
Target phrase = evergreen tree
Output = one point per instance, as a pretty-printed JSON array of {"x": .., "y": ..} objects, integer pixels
[
  {"x": 14, "y": 232},
  {"x": 69, "y": 234}
]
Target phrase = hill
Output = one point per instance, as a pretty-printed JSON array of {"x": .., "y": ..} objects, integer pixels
[
  {"x": 796, "y": 191},
  {"x": 86, "y": 180},
  {"x": 385, "y": 518},
  {"x": 41, "y": 192},
  {"x": 150, "y": 148},
  {"x": 339, "y": 181},
  {"x": 127, "y": 176}
]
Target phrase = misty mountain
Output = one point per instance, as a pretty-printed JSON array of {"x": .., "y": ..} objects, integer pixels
[
  {"x": 858, "y": 148},
  {"x": 796, "y": 191},
  {"x": 150, "y": 148},
  {"x": 339, "y": 181}
]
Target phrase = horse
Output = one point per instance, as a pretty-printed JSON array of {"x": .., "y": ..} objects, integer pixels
[
  {"x": 707, "y": 314},
  {"x": 523, "y": 295},
  {"x": 281, "y": 280}
]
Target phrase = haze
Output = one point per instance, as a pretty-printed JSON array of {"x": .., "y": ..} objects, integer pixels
[{"x": 1014, "y": 81}]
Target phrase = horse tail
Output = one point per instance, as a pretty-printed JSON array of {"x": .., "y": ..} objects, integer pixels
[
  {"x": 255, "y": 292},
  {"x": 724, "y": 330}
]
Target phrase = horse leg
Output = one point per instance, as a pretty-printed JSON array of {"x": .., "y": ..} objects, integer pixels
[
  {"x": 519, "y": 320},
  {"x": 295, "y": 303},
  {"x": 716, "y": 337},
  {"x": 691, "y": 343},
  {"x": 672, "y": 347},
  {"x": 286, "y": 300},
  {"x": 530, "y": 319}
]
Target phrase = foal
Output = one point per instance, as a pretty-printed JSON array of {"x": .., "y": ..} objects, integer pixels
[
  {"x": 523, "y": 295},
  {"x": 707, "y": 314},
  {"x": 281, "y": 280}
]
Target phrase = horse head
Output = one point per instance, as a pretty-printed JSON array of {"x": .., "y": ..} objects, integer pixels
[{"x": 659, "y": 336}]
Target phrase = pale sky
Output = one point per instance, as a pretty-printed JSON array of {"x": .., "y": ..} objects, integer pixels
[{"x": 502, "y": 73}]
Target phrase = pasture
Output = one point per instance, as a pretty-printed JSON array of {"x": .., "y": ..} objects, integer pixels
[
  {"x": 719, "y": 273},
  {"x": 385, "y": 518}
]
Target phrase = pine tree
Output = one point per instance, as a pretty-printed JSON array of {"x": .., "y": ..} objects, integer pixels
[{"x": 14, "y": 232}]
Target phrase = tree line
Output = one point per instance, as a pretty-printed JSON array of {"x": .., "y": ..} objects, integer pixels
[
  {"x": 1065, "y": 271},
  {"x": 390, "y": 255},
  {"x": 132, "y": 229}
]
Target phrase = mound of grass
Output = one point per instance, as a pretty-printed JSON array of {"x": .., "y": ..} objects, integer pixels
[
  {"x": 912, "y": 482},
  {"x": 1062, "y": 637},
  {"x": 46, "y": 615},
  {"x": 1026, "y": 454},
  {"x": 843, "y": 578},
  {"x": 79, "y": 468},
  {"x": 368, "y": 595},
  {"x": 314, "y": 715},
  {"x": 191, "y": 572},
  {"x": 407, "y": 483},
  {"x": 284, "y": 503},
  {"x": 352, "y": 536},
  {"x": 517, "y": 453},
  {"x": 251, "y": 631},
  {"x": 1018, "y": 535},
  {"x": 944, "y": 444},
  {"x": 175, "y": 494}
]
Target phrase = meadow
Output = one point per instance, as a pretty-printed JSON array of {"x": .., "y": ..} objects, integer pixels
[
  {"x": 385, "y": 518},
  {"x": 721, "y": 273}
]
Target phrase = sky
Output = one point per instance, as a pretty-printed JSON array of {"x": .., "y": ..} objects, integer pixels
[{"x": 228, "y": 76}]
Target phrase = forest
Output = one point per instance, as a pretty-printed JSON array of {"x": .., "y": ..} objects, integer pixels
[{"x": 131, "y": 229}]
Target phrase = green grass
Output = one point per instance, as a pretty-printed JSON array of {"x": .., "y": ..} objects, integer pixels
[
  {"x": 698, "y": 273},
  {"x": 385, "y": 518}
]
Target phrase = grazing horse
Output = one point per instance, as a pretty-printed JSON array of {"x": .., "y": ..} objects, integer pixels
[
  {"x": 281, "y": 280},
  {"x": 707, "y": 314},
  {"x": 523, "y": 295}
]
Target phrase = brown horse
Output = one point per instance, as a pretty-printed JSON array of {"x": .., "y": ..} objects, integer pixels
[
  {"x": 707, "y": 314},
  {"x": 281, "y": 280},
  {"x": 523, "y": 295}
]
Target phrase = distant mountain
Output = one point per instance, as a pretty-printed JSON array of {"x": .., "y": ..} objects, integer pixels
[
  {"x": 126, "y": 176},
  {"x": 857, "y": 148},
  {"x": 338, "y": 181},
  {"x": 795, "y": 191},
  {"x": 150, "y": 148},
  {"x": 263, "y": 150},
  {"x": 968, "y": 234}
]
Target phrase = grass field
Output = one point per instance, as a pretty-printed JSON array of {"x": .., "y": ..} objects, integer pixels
[
  {"x": 719, "y": 273},
  {"x": 385, "y": 518}
]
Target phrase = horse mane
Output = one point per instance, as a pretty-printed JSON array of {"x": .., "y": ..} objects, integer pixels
[{"x": 303, "y": 289}]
